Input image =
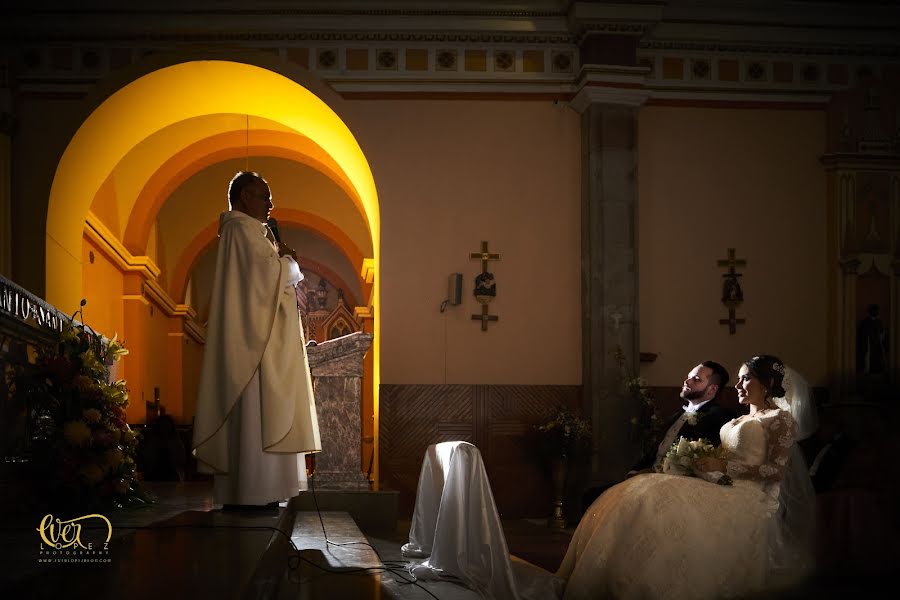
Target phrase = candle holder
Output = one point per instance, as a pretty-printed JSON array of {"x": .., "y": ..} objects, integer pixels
[{"x": 557, "y": 519}]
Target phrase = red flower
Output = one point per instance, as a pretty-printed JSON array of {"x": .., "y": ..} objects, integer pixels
[{"x": 103, "y": 438}]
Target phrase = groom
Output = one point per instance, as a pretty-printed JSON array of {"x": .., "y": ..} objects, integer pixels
[{"x": 701, "y": 417}]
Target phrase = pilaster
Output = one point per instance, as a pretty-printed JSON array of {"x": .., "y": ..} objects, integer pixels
[{"x": 608, "y": 102}]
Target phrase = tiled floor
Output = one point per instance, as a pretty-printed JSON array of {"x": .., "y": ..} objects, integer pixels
[
  {"x": 184, "y": 546},
  {"x": 178, "y": 546},
  {"x": 20, "y": 545},
  {"x": 335, "y": 571}
]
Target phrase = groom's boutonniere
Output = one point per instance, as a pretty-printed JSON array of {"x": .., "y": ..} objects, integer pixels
[{"x": 693, "y": 418}]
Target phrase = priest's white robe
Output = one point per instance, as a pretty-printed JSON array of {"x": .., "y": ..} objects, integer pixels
[{"x": 255, "y": 406}]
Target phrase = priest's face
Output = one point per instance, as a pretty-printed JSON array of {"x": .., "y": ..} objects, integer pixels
[
  {"x": 697, "y": 387},
  {"x": 257, "y": 200}
]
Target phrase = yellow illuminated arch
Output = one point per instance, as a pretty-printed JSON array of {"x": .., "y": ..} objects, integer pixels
[
  {"x": 163, "y": 98},
  {"x": 166, "y": 97}
]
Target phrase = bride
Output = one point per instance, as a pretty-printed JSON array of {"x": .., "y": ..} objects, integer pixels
[{"x": 668, "y": 536}]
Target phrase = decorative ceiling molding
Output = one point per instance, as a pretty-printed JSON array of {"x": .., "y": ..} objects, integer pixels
[
  {"x": 273, "y": 11},
  {"x": 298, "y": 36},
  {"x": 505, "y": 48},
  {"x": 630, "y": 28},
  {"x": 610, "y": 84},
  {"x": 887, "y": 51},
  {"x": 620, "y": 18}
]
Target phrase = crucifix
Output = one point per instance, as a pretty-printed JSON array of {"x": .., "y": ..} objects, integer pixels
[
  {"x": 732, "y": 295},
  {"x": 731, "y": 321},
  {"x": 485, "y": 287},
  {"x": 484, "y": 256},
  {"x": 484, "y": 317}
]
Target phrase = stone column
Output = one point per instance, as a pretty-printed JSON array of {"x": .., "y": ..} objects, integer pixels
[
  {"x": 847, "y": 357},
  {"x": 894, "y": 325},
  {"x": 609, "y": 267},
  {"x": 337, "y": 370},
  {"x": 366, "y": 317},
  {"x": 6, "y": 125},
  {"x": 894, "y": 319}
]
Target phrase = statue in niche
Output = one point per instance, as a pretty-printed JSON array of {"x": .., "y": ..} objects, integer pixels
[
  {"x": 871, "y": 358},
  {"x": 321, "y": 294}
]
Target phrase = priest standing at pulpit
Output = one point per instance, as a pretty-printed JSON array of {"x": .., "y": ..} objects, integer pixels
[{"x": 255, "y": 406}]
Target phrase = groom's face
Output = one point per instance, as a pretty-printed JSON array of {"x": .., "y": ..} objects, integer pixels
[{"x": 696, "y": 387}]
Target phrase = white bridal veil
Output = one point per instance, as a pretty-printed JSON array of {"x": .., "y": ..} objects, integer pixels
[{"x": 792, "y": 540}]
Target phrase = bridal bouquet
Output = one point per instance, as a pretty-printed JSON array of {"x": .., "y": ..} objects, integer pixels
[{"x": 680, "y": 459}]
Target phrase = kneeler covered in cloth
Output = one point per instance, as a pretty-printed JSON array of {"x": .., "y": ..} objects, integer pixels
[{"x": 456, "y": 526}]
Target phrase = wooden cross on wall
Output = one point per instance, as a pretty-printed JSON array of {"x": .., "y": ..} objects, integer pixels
[
  {"x": 732, "y": 295},
  {"x": 484, "y": 317},
  {"x": 484, "y": 256}
]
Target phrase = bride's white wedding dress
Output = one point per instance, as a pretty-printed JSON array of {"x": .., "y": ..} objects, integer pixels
[{"x": 669, "y": 536}]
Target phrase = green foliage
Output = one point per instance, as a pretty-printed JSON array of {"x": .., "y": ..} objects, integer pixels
[
  {"x": 82, "y": 449},
  {"x": 646, "y": 426},
  {"x": 564, "y": 435}
]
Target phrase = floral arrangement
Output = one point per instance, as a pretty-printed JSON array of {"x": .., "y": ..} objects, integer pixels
[
  {"x": 82, "y": 449},
  {"x": 565, "y": 434},
  {"x": 682, "y": 455},
  {"x": 646, "y": 426}
]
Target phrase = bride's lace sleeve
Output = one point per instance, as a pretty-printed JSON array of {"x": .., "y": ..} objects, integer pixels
[{"x": 780, "y": 436}]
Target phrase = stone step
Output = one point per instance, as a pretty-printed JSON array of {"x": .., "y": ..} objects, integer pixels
[
  {"x": 374, "y": 512},
  {"x": 348, "y": 568}
]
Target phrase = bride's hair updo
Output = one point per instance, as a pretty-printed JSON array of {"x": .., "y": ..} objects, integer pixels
[{"x": 769, "y": 370}]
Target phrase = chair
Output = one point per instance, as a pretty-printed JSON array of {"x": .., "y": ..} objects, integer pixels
[{"x": 456, "y": 526}]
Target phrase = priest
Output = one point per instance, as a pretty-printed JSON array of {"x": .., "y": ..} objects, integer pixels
[{"x": 255, "y": 406}]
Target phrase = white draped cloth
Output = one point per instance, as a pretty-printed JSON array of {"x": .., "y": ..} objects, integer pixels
[
  {"x": 675, "y": 537},
  {"x": 255, "y": 409},
  {"x": 456, "y": 525},
  {"x": 791, "y": 536}
]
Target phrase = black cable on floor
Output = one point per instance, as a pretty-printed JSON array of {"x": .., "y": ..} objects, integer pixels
[{"x": 393, "y": 570}]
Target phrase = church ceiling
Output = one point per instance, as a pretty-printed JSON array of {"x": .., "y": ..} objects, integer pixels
[{"x": 790, "y": 52}]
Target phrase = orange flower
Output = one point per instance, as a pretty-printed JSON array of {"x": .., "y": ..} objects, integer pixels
[
  {"x": 116, "y": 434},
  {"x": 91, "y": 472},
  {"x": 77, "y": 433},
  {"x": 91, "y": 415},
  {"x": 113, "y": 458}
]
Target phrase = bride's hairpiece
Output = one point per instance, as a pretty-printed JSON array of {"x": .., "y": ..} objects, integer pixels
[{"x": 777, "y": 365}]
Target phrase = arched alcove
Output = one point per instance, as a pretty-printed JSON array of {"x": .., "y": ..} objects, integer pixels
[{"x": 181, "y": 118}]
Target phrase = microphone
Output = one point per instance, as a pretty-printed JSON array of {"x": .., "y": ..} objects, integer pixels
[{"x": 273, "y": 225}]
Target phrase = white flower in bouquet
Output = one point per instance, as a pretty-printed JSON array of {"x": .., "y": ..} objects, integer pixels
[{"x": 680, "y": 458}]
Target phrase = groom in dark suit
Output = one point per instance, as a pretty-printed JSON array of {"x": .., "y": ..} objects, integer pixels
[{"x": 701, "y": 417}]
